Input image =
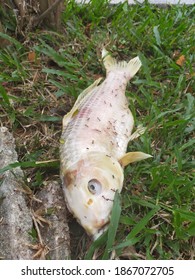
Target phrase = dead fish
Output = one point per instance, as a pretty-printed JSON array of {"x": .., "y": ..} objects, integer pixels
[{"x": 93, "y": 146}]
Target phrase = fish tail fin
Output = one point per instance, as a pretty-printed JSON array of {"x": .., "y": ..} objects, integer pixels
[
  {"x": 111, "y": 64},
  {"x": 134, "y": 65}
]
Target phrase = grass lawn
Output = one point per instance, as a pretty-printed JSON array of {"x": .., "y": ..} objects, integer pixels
[{"x": 42, "y": 74}]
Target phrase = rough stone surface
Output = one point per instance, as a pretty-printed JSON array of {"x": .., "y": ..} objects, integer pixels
[
  {"x": 15, "y": 217},
  {"x": 53, "y": 209}
]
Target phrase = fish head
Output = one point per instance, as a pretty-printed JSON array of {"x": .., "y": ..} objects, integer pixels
[{"x": 89, "y": 186}]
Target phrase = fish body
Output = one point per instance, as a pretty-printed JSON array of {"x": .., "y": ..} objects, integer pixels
[{"x": 93, "y": 146}]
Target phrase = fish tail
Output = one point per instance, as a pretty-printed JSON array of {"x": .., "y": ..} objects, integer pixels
[
  {"x": 111, "y": 64},
  {"x": 134, "y": 65}
]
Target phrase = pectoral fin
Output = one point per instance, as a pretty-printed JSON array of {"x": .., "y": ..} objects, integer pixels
[
  {"x": 132, "y": 157},
  {"x": 139, "y": 131}
]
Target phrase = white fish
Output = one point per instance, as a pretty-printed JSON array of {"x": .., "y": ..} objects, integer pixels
[{"x": 93, "y": 146}]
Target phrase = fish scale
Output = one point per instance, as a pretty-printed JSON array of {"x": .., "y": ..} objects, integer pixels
[{"x": 93, "y": 146}]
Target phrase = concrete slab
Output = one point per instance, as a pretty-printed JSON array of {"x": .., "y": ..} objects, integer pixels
[{"x": 15, "y": 217}]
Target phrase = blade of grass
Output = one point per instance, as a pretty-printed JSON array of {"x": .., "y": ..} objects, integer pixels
[
  {"x": 146, "y": 67},
  {"x": 12, "y": 40},
  {"x": 4, "y": 95},
  {"x": 28, "y": 164},
  {"x": 115, "y": 215},
  {"x": 96, "y": 244},
  {"x": 157, "y": 35},
  {"x": 127, "y": 243},
  {"x": 44, "y": 118},
  {"x": 131, "y": 237},
  {"x": 141, "y": 224}
]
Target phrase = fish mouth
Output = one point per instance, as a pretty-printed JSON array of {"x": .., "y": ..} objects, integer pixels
[{"x": 100, "y": 231}]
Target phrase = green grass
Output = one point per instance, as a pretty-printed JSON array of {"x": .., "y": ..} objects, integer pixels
[{"x": 157, "y": 201}]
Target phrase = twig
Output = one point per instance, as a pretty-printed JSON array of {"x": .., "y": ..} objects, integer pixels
[
  {"x": 37, "y": 229},
  {"x": 46, "y": 161},
  {"x": 21, "y": 5}
]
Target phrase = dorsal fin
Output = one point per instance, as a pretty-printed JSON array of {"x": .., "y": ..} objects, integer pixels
[
  {"x": 75, "y": 109},
  {"x": 87, "y": 91}
]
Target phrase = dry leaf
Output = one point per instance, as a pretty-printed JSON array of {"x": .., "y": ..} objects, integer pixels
[
  {"x": 180, "y": 61},
  {"x": 31, "y": 56}
]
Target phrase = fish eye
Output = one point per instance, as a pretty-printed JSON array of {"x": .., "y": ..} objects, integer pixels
[{"x": 94, "y": 186}]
